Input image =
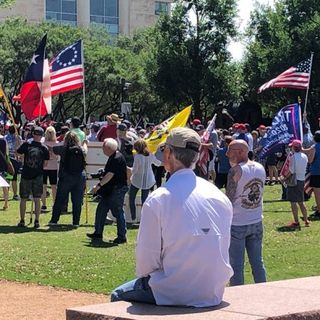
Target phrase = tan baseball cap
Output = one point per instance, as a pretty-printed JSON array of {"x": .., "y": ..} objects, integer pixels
[{"x": 184, "y": 138}]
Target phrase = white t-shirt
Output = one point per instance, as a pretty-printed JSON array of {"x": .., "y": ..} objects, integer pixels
[
  {"x": 248, "y": 203},
  {"x": 183, "y": 241},
  {"x": 142, "y": 175},
  {"x": 298, "y": 165}
]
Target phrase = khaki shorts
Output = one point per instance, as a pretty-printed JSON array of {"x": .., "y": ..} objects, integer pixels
[{"x": 32, "y": 187}]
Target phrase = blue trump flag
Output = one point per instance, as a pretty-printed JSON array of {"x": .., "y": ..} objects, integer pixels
[{"x": 286, "y": 126}]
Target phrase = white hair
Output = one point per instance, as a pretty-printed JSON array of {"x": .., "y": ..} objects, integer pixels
[{"x": 110, "y": 143}]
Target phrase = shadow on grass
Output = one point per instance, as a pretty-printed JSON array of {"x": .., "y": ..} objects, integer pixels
[
  {"x": 276, "y": 200},
  {"x": 288, "y": 229},
  {"x": 144, "y": 309},
  {"x": 5, "y": 229},
  {"x": 98, "y": 243},
  {"x": 133, "y": 226}
]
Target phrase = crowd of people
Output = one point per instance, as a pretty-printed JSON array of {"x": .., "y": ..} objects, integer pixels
[{"x": 188, "y": 226}]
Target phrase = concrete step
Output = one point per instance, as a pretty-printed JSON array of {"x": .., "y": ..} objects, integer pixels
[{"x": 280, "y": 300}]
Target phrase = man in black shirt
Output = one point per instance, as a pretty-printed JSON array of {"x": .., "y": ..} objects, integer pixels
[
  {"x": 112, "y": 189},
  {"x": 35, "y": 154}
]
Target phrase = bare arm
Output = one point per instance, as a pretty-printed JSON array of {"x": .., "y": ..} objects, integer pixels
[
  {"x": 234, "y": 176},
  {"x": 311, "y": 152}
]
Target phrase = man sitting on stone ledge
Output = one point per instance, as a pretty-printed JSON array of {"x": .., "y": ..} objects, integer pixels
[{"x": 183, "y": 241}]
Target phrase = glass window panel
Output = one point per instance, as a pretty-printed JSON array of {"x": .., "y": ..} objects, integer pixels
[
  {"x": 97, "y": 7},
  {"x": 111, "y": 20},
  {"x": 53, "y": 5},
  {"x": 111, "y": 8},
  {"x": 53, "y": 16},
  {"x": 69, "y": 17},
  {"x": 68, "y": 6},
  {"x": 97, "y": 19},
  {"x": 112, "y": 28}
]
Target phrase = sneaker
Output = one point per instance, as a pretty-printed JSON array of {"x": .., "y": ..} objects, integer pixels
[
  {"x": 119, "y": 240},
  {"x": 307, "y": 223},
  {"x": 51, "y": 223},
  {"x": 43, "y": 208},
  {"x": 16, "y": 197},
  {"x": 21, "y": 224},
  {"x": 36, "y": 224},
  {"x": 94, "y": 236},
  {"x": 294, "y": 225}
]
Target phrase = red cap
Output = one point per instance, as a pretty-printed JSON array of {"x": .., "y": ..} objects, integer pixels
[
  {"x": 241, "y": 126},
  {"x": 235, "y": 125},
  {"x": 196, "y": 122},
  {"x": 262, "y": 126},
  {"x": 295, "y": 143}
]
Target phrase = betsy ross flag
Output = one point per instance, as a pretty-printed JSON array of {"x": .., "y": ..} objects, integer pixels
[
  {"x": 295, "y": 77},
  {"x": 66, "y": 69},
  {"x": 35, "y": 93},
  {"x": 204, "y": 152}
]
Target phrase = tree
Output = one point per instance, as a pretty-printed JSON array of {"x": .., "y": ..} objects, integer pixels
[
  {"x": 191, "y": 59},
  {"x": 281, "y": 37},
  {"x": 105, "y": 65},
  {"x": 6, "y": 3}
]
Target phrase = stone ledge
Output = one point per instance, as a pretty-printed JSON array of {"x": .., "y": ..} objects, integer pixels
[{"x": 280, "y": 300}]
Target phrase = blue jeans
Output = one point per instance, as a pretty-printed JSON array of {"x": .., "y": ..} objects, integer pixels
[
  {"x": 113, "y": 202},
  {"x": 137, "y": 290},
  {"x": 248, "y": 237},
  {"x": 132, "y": 199},
  {"x": 75, "y": 185}
]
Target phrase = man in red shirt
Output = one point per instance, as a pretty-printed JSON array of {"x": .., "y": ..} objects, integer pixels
[{"x": 110, "y": 129}]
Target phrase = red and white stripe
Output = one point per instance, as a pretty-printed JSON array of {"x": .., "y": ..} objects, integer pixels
[{"x": 66, "y": 79}]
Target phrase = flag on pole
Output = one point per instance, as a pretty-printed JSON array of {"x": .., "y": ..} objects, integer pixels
[
  {"x": 286, "y": 126},
  {"x": 159, "y": 135},
  {"x": 295, "y": 77},
  {"x": 66, "y": 69},
  {"x": 35, "y": 91},
  {"x": 204, "y": 153}
]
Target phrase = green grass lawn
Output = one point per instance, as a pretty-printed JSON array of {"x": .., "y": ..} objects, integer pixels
[{"x": 64, "y": 257}]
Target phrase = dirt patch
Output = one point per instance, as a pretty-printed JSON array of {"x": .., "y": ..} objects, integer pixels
[{"x": 31, "y": 302}]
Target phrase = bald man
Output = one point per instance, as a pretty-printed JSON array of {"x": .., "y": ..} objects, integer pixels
[{"x": 245, "y": 190}]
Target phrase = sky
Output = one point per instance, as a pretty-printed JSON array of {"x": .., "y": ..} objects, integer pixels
[{"x": 244, "y": 7}]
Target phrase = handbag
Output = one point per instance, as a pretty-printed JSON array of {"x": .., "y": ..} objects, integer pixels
[{"x": 291, "y": 180}]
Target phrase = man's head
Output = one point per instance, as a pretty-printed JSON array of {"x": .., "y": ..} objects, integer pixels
[
  {"x": 95, "y": 127},
  {"x": 37, "y": 133},
  {"x": 242, "y": 128},
  {"x": 181, "y": 149},
  {"x": 113, "y": 119},
  {"x": 237, "y": 151},
  {"x": 75, "y": 122},
  {"x": 121, "y": 130},
  {"x": 296, "y": 145},
  {"x": 110, "y": 146},
  {"x": 262, "y": 130}
]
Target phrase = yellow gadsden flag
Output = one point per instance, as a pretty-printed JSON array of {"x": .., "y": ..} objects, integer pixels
[
  {"x": 162, "y": 130},
  {"x": 1, "y": 92}
]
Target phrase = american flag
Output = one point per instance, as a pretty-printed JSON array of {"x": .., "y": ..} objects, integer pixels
[
  {"x": 204, "y": 153},
  {"x": 295, "y": 77},
  {"x": 66, "y": 69}
]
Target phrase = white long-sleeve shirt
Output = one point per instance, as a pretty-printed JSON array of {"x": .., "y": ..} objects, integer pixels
[
  {"x": 183, "y": 242},
  {"x": 142, "y": 175}
]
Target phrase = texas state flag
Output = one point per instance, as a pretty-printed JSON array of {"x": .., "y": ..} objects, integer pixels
[{"x": 36, "y": 88}]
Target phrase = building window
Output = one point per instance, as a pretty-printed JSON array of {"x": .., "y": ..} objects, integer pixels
[
  {"x": 106, "y": 13},
  {"x": 161, "y": 7},
  {"x": 62, "y": 11}
]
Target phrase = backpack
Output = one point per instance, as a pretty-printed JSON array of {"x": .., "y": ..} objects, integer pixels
[{"x": 74, "y": 161}]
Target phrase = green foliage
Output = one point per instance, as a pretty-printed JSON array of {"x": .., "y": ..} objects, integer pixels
[
  {"x": 281, "y": 37},
  {"x": 6, "y": 3},
  {"x": 191, "y": 58},
  {"x": 105, "y": 65}
]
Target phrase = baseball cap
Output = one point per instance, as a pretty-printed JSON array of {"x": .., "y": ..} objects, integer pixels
[
  {"x": 295, "y": 143},
  {"x": 184, "y": 138},
  {"x": 196, "y": 122},
  {"x": 122, "y": 127},
  {"x": 241, "y": 126},
  {"x": 199, "y": 127},
  {"x": 38, "y": 131}
]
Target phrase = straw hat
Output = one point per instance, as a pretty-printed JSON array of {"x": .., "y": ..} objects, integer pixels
[{"x": 114, "y": 118}]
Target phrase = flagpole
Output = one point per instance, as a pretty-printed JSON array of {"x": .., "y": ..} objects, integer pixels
[
  {"x": 307, "y": 93},
  {"x": 83, "y": 87}
]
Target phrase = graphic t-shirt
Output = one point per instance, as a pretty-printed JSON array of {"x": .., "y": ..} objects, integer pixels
[{"x": 35, "y": 153}]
